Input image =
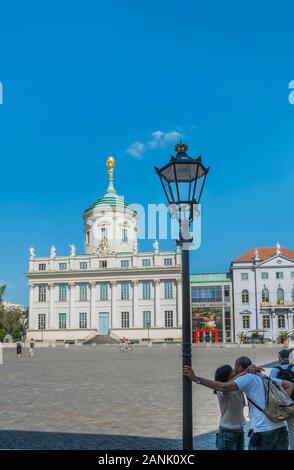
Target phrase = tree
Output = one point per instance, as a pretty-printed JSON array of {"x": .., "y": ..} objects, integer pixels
[{"x": 13, "y": 321}]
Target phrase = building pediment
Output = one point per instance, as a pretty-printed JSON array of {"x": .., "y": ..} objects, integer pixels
[
  {"x": 245, "y": 312},
  {"x": 277, "y": 261}
]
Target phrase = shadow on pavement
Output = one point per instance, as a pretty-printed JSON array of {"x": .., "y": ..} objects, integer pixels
[{"x": 12, "y": 439}]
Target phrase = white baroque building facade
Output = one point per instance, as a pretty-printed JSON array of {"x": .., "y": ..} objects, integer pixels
[
  {"x": 263, "y": 292},
  {"x": 111, "y": 289}
]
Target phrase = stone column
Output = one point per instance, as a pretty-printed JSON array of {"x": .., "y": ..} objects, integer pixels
[
  {"x": 135, "y": 320},
  {"x": 179, "y": 321},
  {"x": 51, "y": 286},
  {"x": 157, "y": 322},
  {"x": 71, "y": 286},
  {"x": 31, "y": 303},
  {"x": 92, "y": 322},
  {"x": 274, "y": 326},
  {"x": 113, "y": 323}
]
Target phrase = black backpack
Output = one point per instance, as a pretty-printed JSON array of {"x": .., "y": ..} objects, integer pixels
[{"x": 286, "y": 374}]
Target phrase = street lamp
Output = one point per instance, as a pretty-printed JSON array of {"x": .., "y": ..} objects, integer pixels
[{"x": 183, "y": 180}]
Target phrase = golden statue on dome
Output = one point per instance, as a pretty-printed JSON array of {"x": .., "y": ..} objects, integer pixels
[{"x": 110, "y": 162}]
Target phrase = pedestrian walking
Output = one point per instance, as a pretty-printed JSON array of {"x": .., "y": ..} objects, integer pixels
[
  {"x": 285, "y": 371},
  {"x": 32, "y": 349},
  {"x": 18, "y": 349}
]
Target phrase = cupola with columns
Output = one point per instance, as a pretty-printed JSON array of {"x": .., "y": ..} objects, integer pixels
[{"x": 110, "y": 224}]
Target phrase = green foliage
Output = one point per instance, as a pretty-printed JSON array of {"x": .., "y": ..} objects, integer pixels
[
  {"x": 13, "y": 321},
  {"x": 284, "y": 336}
]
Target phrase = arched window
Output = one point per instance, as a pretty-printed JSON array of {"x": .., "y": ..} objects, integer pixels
[
  {"x": 280, "y": 295},
  {"x": 265, "y": 295},
  {"x": 245, "y": 296}
]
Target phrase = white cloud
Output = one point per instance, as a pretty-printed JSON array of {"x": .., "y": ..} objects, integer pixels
[
  {"x": 136, "y": 149},
  {"x": 159, "y": 139}
]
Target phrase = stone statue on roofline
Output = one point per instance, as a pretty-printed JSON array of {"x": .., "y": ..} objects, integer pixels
[
  {"x": 52, "y": 252},
  {"x": 156, "y": 246},
  {"x": 32, "y": 252},
  {"x": 73, "y": 250}
]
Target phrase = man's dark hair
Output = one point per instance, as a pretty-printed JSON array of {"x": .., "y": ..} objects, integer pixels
[
  {"x": 222, "y": 374},
  {"x": 284, "y": 355},
  {"x": 244, "y": 362}
]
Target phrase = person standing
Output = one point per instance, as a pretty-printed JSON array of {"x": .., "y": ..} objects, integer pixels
[
  {"x": 18, "y": 349},
  {"x": 285, "y": 371},
  {"x": 230, "y": 435},
  {"x": 32, "y": 348},
  {"x": 266, "y": 434}
]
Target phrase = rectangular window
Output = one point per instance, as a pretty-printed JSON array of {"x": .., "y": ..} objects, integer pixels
[
  {"x": 279, "y": 275},
  {"x": 227, "y": 319},
  {"x": 42, "y": 293},
  {"x": 146, "y": 290},
  {"x": 244, "y": 276},
  {"x": 145, "y": 263},
  {"x": 227, "y": 293},
  {"x": 146, "y": 319},
  {"x": 292, "y": 275},
  {"x": 103, "y": 233},
  {"x": 83, "y": 292},
  {"x": 62, "y": 292},
  {"x": 88, "y": 238},
  {"x": 83, "y": 320},
  {"x": 103, "y": 291},
  {"x": 102, "y": 264},
  {"x": 62, "y": 266},
  {"x": 124, "y": 263},
  {"x": 207, "y": 294},
  {"x": 62, "y": 321},
  {"x": 246, "y": 322},
  {"x": 168, "y": 289},
  {"x": 83, "y": 265},
  {"x": 266, "y": 322},
  {"x": 125, "y": 291},
  {"x": 42, "y": 267},
  {"x": 167, "y": 261},
  {"x": 281, "y": 321},
  {"x": 41, "y": 321},
  {"x": 264, "y": 275},
  {"x": 125, "y": 320},
  {"x": 168, "y": 319},
  {"x": 124, "y": 235}
]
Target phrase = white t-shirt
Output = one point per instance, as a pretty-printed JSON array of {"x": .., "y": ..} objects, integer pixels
[{"x": 252, "y": 386}]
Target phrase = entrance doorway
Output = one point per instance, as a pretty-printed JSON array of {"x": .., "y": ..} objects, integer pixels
[
  {"x": 206, "y": 336},
  {"x": 103, "y": 323}
]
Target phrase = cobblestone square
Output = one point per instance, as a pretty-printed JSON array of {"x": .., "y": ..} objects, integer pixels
[{"x": 98, "y": 398}]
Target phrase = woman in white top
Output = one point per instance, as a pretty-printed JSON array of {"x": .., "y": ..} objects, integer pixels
[{"x": 230, "y": 435}]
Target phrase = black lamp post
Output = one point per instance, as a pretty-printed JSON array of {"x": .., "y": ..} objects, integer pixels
[{"x": 183, "y": 181}]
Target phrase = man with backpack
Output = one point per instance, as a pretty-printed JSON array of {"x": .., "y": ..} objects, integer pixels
[
  {"x": 269, "y": 405},
  {"x": 285, "y": 371}
]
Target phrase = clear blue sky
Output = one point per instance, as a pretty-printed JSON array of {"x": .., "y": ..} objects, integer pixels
[{"x": 86, "y": 79}]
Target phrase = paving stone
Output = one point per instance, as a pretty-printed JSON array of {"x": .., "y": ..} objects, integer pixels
[{"x": 99, "y": 398}]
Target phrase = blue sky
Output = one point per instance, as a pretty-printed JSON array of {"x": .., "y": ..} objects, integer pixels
[{"x": 83, "y": 80}]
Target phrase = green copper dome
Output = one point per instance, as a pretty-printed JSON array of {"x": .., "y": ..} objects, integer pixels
[{"x": 110, "y": 198}]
